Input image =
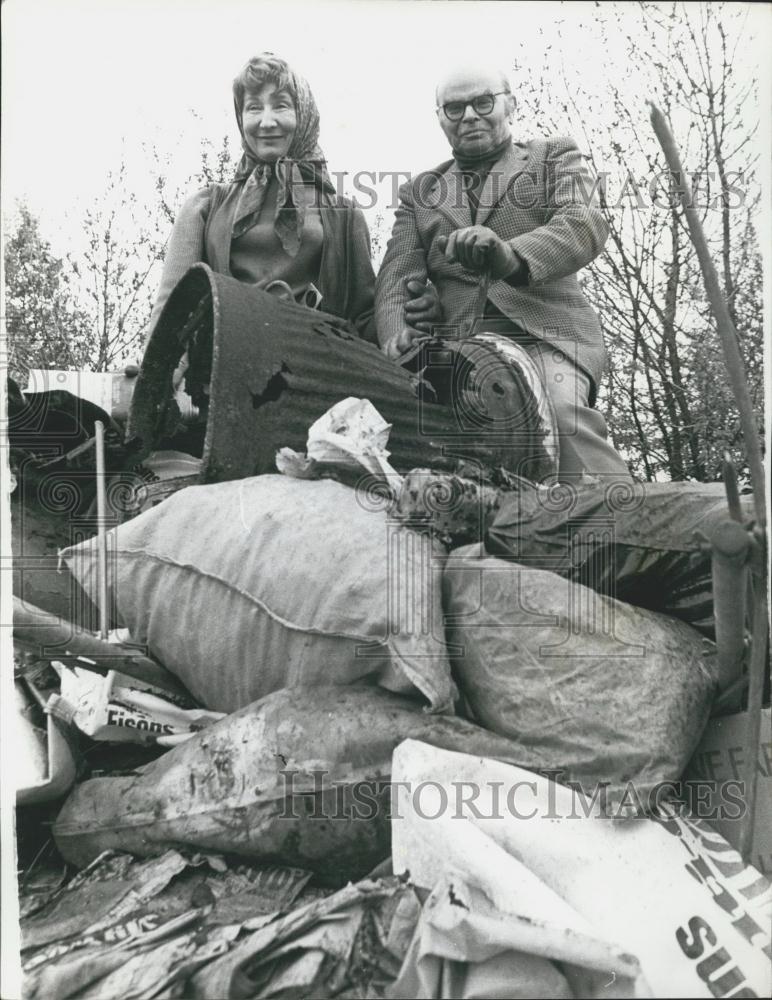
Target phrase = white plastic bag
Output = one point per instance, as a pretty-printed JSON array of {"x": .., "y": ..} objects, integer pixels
[{"x": 353, "y": 435}]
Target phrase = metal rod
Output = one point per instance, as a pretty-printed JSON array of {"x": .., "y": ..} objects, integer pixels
[
  {"x": 101, "y": 493},
  {"x": 729, "y": 701},
  {"x": 480, "y": 301},
  {"x": 482, "y": 293},
  {"x": 729, "y": 474},
  {"x": 730, "y": 547},
  {"x": 726, "y": 329},
  {"x": 753, "y": 733},
  {"x": 51, "y": 637}
]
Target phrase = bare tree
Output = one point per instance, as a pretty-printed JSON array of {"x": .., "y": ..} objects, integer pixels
[
  {"x": 45, "y": 326},
  {"x": 666, "y": 397},
  {"x": 117, "y": 271},
  {"x": 126, "y": 243}
]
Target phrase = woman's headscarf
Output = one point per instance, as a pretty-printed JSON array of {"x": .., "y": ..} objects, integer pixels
[{"x": 304, "y": 162}]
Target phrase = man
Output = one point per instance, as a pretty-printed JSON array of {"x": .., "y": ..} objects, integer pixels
[{"x": 523, "y": 213}]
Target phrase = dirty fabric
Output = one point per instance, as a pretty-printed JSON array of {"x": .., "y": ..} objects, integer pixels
[
  {"x": 641, "y": 543},
  {"x": 457, "y": 508}
]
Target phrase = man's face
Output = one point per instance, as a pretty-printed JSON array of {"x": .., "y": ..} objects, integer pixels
[{"x": 475, "y": 134}]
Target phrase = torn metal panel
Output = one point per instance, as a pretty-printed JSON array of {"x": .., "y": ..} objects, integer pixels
[{"x": 273, "y": 368}]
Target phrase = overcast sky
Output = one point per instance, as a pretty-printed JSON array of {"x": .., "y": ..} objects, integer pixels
[{"x": 87, "y": 82}]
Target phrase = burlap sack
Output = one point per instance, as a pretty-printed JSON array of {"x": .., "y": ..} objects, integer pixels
[{"x": 246, "y": 587}]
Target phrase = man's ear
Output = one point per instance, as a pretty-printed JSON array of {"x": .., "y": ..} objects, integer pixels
[{"x": 511, "y": 106}]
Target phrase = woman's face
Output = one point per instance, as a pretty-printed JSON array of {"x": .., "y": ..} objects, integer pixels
[{"x": 269, "y": 121}]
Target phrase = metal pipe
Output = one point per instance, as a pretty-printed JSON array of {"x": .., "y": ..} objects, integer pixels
[
  {"x": 480, "y": 301},
  {"x": 730, "y": 546},
  {"x": 51, "y": 637},
  {"x": 736, "y": 372},
  {"x": 101, "y": 496},
  {"x": 729, "y": 474},
  {"x": 753, "y": 733}
]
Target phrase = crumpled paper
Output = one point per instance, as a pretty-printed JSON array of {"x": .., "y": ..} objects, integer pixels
[
  {"x": 126, "y": 928},
  {"x": 315, "y": 950}
]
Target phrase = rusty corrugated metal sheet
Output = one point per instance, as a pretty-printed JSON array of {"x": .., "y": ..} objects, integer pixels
[{"x": 277, "y": 367}]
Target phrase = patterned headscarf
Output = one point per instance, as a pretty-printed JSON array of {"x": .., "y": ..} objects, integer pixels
[{"x": 303, "y": 164}]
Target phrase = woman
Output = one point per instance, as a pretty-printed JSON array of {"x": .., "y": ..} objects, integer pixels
[{"x": 280, "y": 223}]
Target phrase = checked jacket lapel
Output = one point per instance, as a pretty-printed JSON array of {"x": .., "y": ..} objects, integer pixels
[
  {"x": 448, "y": 195},
  {"x": 499, "y": 179}
]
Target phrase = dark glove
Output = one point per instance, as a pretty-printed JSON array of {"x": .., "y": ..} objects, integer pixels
[{"x": 479, "y": 249}]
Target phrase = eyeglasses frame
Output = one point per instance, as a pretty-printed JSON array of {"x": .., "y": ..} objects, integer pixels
[{"x": 483, "y": 114}]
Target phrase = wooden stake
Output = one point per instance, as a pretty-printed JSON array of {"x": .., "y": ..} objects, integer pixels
[
  {"x": 726, "y": 330},
  {"x": 736, "y": 370}
]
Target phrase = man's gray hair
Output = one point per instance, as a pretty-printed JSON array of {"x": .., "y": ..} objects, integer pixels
[{"x": 506, "y": 86}]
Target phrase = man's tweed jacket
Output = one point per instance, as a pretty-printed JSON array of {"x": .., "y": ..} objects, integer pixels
[{"x": 539, "y": 197}]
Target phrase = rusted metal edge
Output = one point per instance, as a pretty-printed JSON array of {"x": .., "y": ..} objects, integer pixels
[{"x": 277, "y": 367}]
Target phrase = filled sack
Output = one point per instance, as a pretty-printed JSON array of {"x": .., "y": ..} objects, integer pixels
[
  {"x": 246, "y": 587},
  {"x": 597, "y": 689},
  {"x": 300, "y": 777}
]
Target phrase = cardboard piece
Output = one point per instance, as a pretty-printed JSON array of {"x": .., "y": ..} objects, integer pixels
[{"x": 717, "y": 765}]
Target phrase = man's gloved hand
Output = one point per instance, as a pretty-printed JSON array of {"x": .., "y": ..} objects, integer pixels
[
  {"x": 479, "y": 249},
  {"x": 401, "y": 342},
  {"x": 423, "y": 310}
]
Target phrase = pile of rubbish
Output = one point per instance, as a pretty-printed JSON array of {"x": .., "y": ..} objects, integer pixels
[
  {"x": 362, "y": 727},
  {"x": 479, "y": 905}
]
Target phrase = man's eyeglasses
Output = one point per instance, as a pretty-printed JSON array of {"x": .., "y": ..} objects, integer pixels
[{"x": 482, "y": 105}]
